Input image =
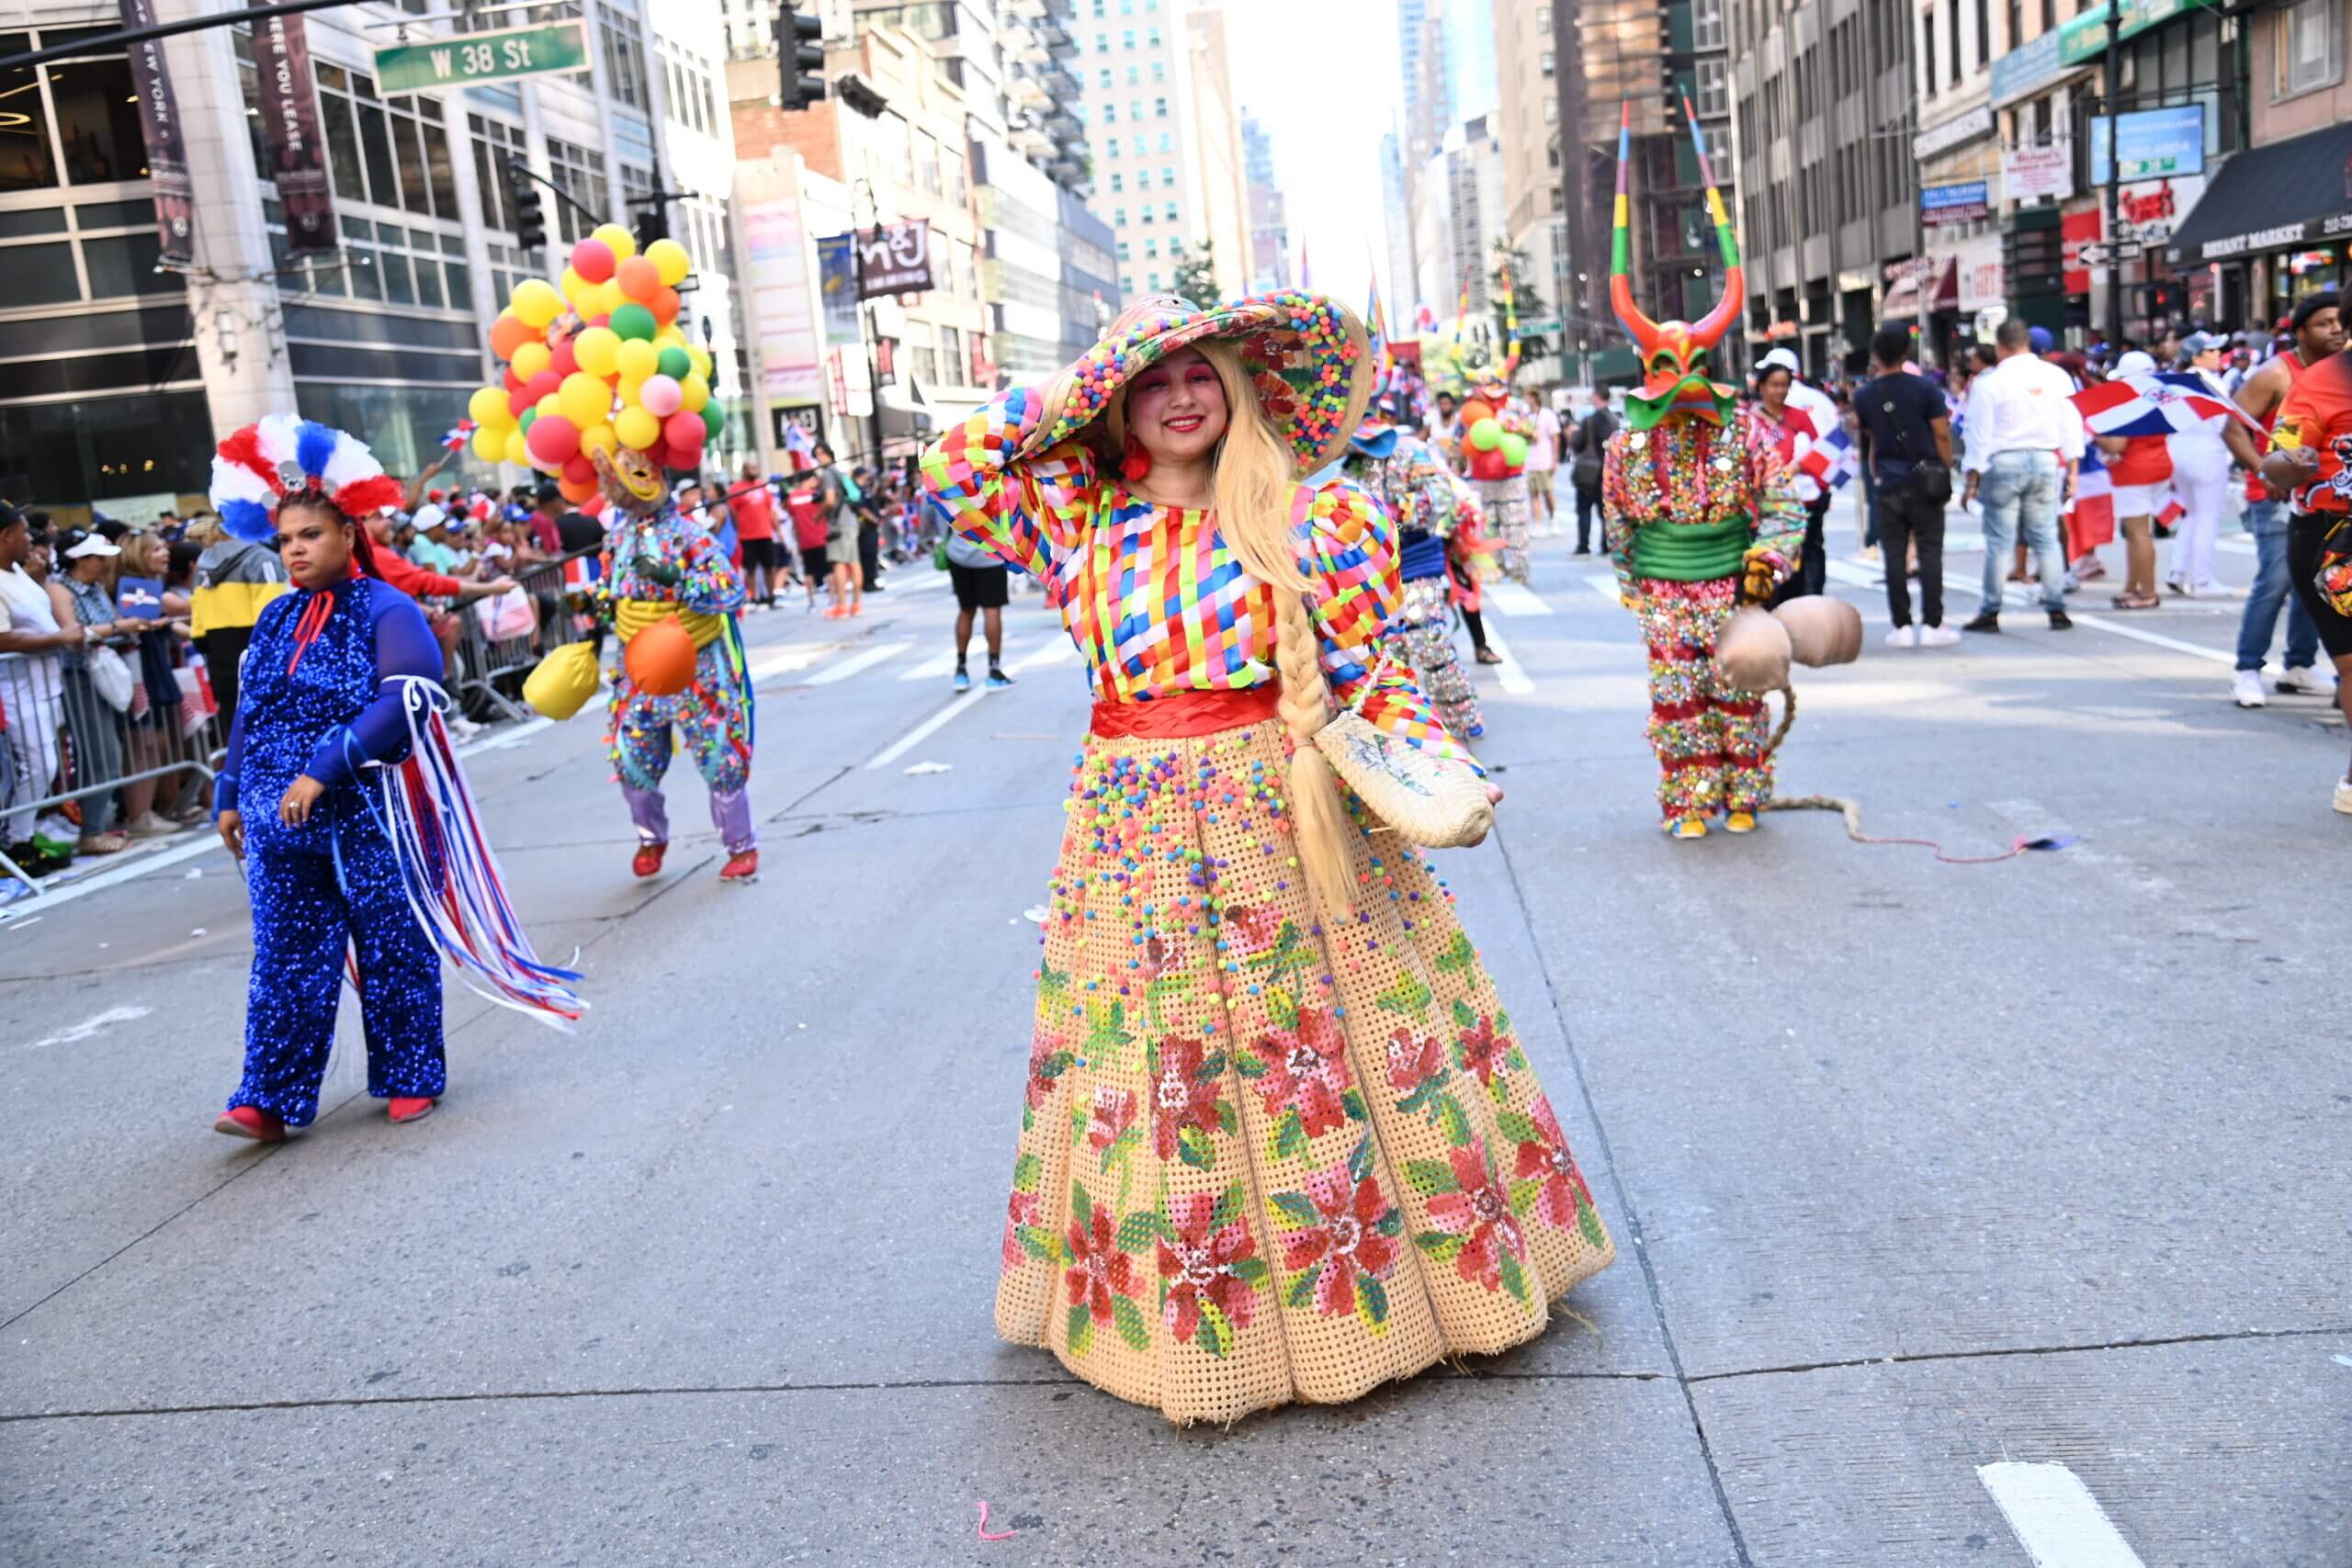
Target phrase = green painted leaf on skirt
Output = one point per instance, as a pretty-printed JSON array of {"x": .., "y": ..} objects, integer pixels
[
  {"x": 1129, "y": 1317},
  {"x": 1301, "y": 1288},
  {"x": 1458, "y": 956},
  {"x": 1193, "y": 1149},
  {"x": 1081, "y": 1331},
  {"x": 1589, "y": 1225},
  {"x": 1514, "y": 1278},
  {"x": 1295, "y": 1210},
  {"x": 1026, "y": 1172},
  {"x": 1289, "y": 1140},
  {"x": 1456, "y": 1121},
  {"x": 1140, "y": 1229},
  {"x": 1229, "y": 1207},
  {"x": 1216, "y": 1333},
  {"x": 1371, "y": 1303},
  {"x": 1441, "y": 1245},
  {"x": 1430, "y": 1177},
  {"x": 1518, "y": 1126}
]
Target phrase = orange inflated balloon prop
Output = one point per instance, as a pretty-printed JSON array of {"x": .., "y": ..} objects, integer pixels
[
  {"x": 1474, "y": 411},
  {"x": 660, "y": 659}
]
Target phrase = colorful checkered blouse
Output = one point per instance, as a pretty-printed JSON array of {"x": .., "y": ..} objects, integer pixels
[{"x": 1152, "y": 596}]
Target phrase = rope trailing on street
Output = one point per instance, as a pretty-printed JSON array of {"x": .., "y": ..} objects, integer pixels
[{"x": 1851, "y": 810}]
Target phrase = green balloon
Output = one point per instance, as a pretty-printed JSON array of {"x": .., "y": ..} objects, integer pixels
[
  {"x": 1487, "y": 435},
  {"x": 529, "y": 416},
  {"x": 634, "y": 322},
  {"x": 712, "y": 419},
  {"x": 1515, "y": 450},
  {"x": 675, "y": 363}
]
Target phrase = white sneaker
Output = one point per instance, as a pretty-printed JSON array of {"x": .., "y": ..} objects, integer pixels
[
  {"x": 2217, "y": 590},
  {"x": 2245, "y": 689},
  {"x": 1903, "y": 636},
  {"x": 1938, "y": 636},
  {"x": 462, "y": 728},
  {"x": 2343, "y": 801},
  {"x": 2308, "y": 681},
  {"x": 2175, "y": 585}
]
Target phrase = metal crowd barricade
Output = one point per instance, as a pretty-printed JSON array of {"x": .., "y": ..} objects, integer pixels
[
  {"x": 495, "y": 651},
  {"x": 64, "y": 742}
]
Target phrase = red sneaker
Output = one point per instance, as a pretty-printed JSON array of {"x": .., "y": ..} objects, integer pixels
[
  {"x": 251, "y": 1121},
  {"x": 409, "y": 1108},
  {"x": 649, "y": 859},
  {"x": 742, "y": 867}
]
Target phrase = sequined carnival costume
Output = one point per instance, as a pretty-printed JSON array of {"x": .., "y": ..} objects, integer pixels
[
  {"x": 1700, "y": 517},
  {"x": 1263, "y": 1157},
  {"x": 1423, "y": 500},
  {"x": 340, "y": 685},
  {"x": 659, "y": 565}
]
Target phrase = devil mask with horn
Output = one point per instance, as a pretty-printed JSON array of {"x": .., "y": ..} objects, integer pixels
[{"x": 1674, "y": 354}]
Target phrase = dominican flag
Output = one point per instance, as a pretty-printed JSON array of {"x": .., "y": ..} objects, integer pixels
[
  {"x": 2168, "y": 516},
  {"x": 2153, "y": 405},
  {"x": 1829, "y": 461},
  {"x": 457, "y": 435},
  {"x": 2091, "y": 521}
]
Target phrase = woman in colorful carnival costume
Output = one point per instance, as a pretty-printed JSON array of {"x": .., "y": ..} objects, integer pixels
[
  {"x": 1408, "y": 480},
  {"x": 1500, "y": 484},
  {"x": 663, "y": 574},
  {"x": 1279, "y": 1139},
  {"x": 343, "y": 799},
  {"x": 1701, "y": 518}
]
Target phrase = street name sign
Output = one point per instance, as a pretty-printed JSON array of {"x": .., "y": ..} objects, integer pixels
[{"x": 468, "y": 60}]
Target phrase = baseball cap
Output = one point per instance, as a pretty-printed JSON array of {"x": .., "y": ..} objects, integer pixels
[
  {"x": 2311, "y": 305},
  {"x": 428, "y": 516},
  {"x": 81, "y": 541},
  {"x": 2136, "y": 363},
  {"x": 2038, "y": 338},
  {"x": 2195, "y": 344},
  {"x": 1784, "y": 359},
  {"x": 678, "y": 490}
]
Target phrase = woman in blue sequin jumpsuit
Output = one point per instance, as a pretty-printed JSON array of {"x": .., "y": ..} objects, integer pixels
[{"x": 323, "y": 693}]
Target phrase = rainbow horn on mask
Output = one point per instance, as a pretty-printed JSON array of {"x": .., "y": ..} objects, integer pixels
[
  {"x": 1620, "y": 249},
  {"x": 1709, "y": 330}
]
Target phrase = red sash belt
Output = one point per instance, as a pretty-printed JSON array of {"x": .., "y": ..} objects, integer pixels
[{"x": 1184, "y": 714}]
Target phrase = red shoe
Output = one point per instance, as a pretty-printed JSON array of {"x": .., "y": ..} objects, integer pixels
[
  {"x": 251, "y": 1121},
  {"x": 743, "y": 866},
  {"x": 649, "y": 859},
  {"x": 411, "y": 1107}
]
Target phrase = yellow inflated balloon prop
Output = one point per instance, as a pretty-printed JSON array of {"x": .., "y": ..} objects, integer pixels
[{"x": 596, "y": 359}]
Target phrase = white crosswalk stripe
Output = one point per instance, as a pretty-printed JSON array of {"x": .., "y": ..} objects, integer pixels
[
  {"x": 856, "y": 663},
  {"x": 1512, "y": 598},
  {"x": 935, "y": 668}
]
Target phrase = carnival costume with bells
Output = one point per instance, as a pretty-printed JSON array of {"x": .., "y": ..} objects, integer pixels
[
  {"x": 672, "y": 595},
  {"x": 1492, "y": 431},
  {"x": 342, "y": 685},
  {"x": 1701, "y": 518},
  {"x": 1425, "y": 501},
  {"x": 1269, "y": 1150}
]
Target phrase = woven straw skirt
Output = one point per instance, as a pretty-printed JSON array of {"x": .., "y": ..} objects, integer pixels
[{"x": 1261, "y": 1160}]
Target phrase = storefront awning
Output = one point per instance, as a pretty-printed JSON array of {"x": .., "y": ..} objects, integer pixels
[
  {"x": 2291, "y": 193},
  {"x": 1943, "y": 293}
]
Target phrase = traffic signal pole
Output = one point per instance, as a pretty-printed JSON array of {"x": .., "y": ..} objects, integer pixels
[{"x": 2112, "y": 194}]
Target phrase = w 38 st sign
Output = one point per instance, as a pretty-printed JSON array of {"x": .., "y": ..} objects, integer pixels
[{"x": 466, "y": 60}]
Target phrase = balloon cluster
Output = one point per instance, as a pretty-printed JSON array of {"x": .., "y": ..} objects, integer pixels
[
  {"x": 1495, "y": 453},
  {"x": 594, "y": 361}
]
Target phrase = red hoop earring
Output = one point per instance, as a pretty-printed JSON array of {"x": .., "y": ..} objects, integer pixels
[{"x": 1137, "y": 462}]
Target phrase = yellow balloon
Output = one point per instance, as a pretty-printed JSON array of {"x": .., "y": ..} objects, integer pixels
[
  {"x": 695, "y": 392},
  {"x": 632, "y": 393},
  {"x": 552, "y": 403},
  {"x": 670, "y": 260},
  {"x": 623, "y": 243},
  {"x": 585, "y": 400},
  {"x": 530, "y": 359},
  {"x": 636, "y": 429},
  {"x": 670, "y": 337},
  {"x": 490, "y": 442},
  {"x": 635, "y": 360},
  {"x": 572, "y": 285},
  {"x": 537, "y": 303},
  {"x": 488, "y": 409},
  {"x": 700, "y": 359},
  {"x": 516, "y": 452},
  {"x": 597, "y": 350},
  {"x": 598, "y": 438}
]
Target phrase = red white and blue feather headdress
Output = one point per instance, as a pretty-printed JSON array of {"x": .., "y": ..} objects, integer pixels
[{"x": 251, "y": 474}]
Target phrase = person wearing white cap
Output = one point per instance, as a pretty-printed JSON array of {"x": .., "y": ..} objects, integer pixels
[
  {"x": 2201, "y": 459},
  {"x": 1819, "y": 416}
]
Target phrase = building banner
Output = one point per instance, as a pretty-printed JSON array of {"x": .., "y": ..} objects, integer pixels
[
  {"x": 159, "y": 124},
  {"x": 896, "y": 259},
  {"x": 2031, "y": 172},
  {"x": 837, "y": 284},
  {"x": 290, "y": 129},
  {"x": 1955, "y": 204}
]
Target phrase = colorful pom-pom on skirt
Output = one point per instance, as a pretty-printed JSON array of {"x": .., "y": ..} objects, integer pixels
[{"x": 1261, "y": 1160}]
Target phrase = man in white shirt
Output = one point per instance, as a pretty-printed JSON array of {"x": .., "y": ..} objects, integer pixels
[
  {"x": 2024, "y": 439},
  {"x": 31, "y": 685},
  {"x": 1543, "y": 457}
]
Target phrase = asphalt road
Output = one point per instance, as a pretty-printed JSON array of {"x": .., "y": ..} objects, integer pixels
[{"x": 1968, "y": 1215}]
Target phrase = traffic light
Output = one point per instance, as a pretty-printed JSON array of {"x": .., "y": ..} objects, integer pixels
[
  {"x": 653, "y": 223},
  {"x": 530, "y": 210},
  {"x": 799, "y": 56}
]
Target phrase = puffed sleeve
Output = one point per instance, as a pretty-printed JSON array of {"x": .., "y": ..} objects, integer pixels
[
  {"x": 1350, "y": 554},
  {"x": 405, "y": 650},
  {"x": 1024, "y": 508}
]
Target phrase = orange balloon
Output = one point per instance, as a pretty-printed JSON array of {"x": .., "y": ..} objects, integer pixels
[
  {"x": 1472, "y": 412},
  {"x": 660, "y": 659},
  {"x": 638, "y": 279},
  {"x": 509, "y": 332},
  {"x": 664, "y": 303},
  {"x": 576, "y": 491}
]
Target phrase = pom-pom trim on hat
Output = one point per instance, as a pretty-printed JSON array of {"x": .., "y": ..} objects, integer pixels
[{"x": 251, "y": 468}]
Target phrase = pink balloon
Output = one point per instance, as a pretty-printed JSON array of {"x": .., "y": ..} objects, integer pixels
[
  {"x": 661, "y": 396},
  {"x": 552, "y": 438},
  {"x": 684, "y": 432},
  {"x": 593, "y": 259}
]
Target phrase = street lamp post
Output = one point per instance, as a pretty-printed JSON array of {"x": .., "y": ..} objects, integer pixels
[
  {"x": 867, "y": 329},
  {"x": 2114, "y": 177}
]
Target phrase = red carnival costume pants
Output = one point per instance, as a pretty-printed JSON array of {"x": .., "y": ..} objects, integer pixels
[{"x": 1709, "y": 737}]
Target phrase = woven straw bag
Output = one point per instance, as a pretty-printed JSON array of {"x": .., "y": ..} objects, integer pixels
[{"x": 1430, "y": 801}]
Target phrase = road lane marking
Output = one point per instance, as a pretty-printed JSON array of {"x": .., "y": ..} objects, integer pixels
[
  {"x": 1512, "y": 598},
  {"x": 1514, "y": 679},
  {"x": 1606, "y": 587},
  {"x": 933, "y": 669},
  {"x": 96, "y": 1023},
  {"x": 2055, "y": 1517},
  {"x": 858, "y": 663},
  {"x": 798, "y": 656},
  {"x": 926, "y": 729},
  {"x": 1056, "y": 649}
]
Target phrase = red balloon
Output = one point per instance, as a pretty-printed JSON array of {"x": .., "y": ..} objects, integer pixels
[
  {"x": 595, "y": 505},
  {"x": 659, "y": 454},
  {"x": 593, "y": 259},
  {"x": 603, "y": 318},
  {"x": 563, "y": 359},
  {"x": 664, "y": 304},
  {"x": 685, "y": 434},
  {"x": 579, "y": 469},
  {"x": 552, "y": 439},
  {"x": 519, "y": 399},
  {"x": 514, "y": 382},
  {"x": 541, "y": 385}
]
